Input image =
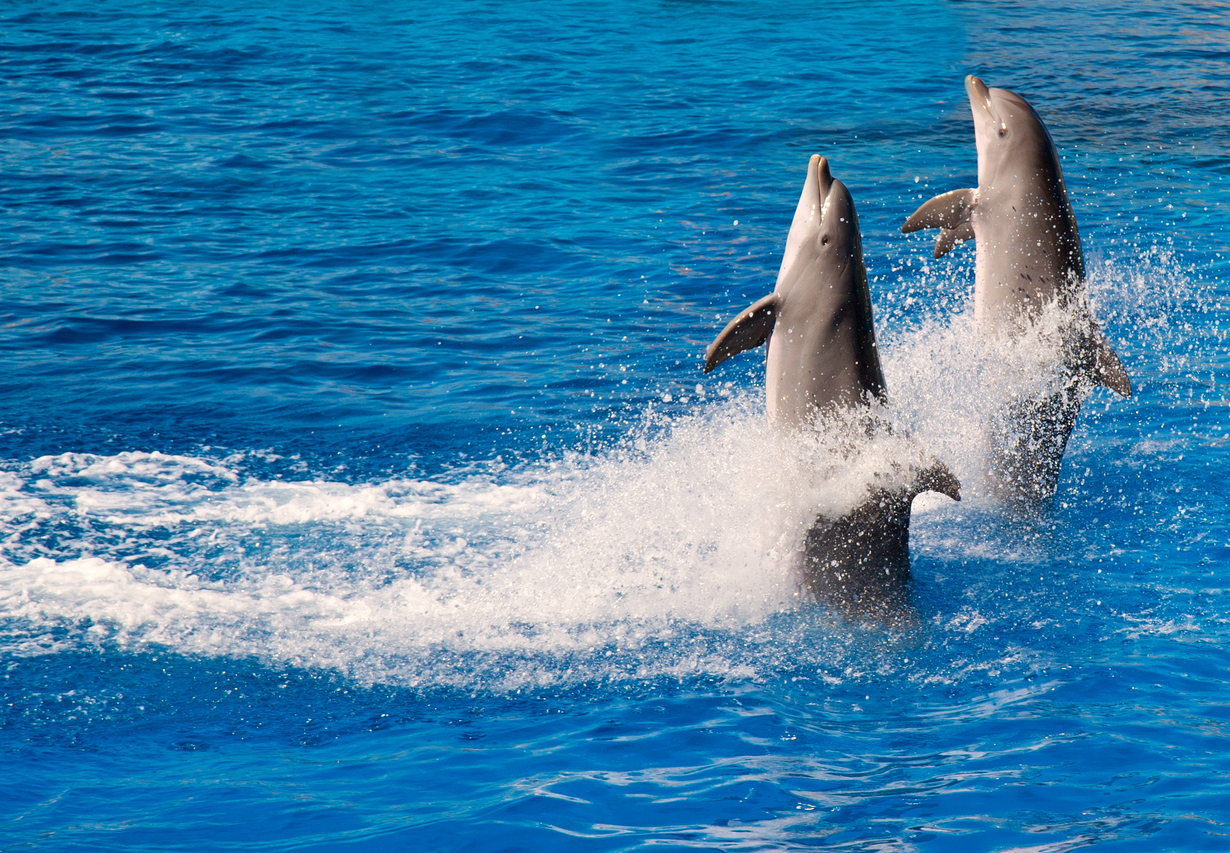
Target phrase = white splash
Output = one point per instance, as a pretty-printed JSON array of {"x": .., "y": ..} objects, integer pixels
[{"x": 669, "y": 556}]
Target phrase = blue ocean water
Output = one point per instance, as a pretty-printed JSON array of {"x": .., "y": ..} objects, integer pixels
[{"x": 360, "y": 488}]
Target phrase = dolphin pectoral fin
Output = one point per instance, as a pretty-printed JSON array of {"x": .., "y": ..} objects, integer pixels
[
  {"x": 950, "y": 237},
  {"x": 747, "y": 331},
  {"x": 1108, "y": 369},
  {"x": 944, "y": 211},
  {"x": 938, "y": 478}
]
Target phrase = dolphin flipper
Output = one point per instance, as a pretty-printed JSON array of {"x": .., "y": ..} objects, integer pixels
[
  {"x": 1108, "y": 369},
  {"x": 949, "y": 210},
  {"x": 747, "y": 331},
  {"x": 950, "y": 237}
]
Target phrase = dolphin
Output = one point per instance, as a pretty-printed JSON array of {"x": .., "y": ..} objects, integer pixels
[
  {"x": 822, "y": 346},
  {"x": 822, "y": 357},
  {"x": 1028, "y": 256}
]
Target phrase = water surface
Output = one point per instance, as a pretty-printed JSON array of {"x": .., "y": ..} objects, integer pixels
[{"x": 360, "y": 488}]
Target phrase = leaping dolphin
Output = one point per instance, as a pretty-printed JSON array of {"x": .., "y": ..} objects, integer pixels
[
  {"x": 822, "y": 347},
  {"x": 822, "y": 357},
  {"x": 1028, "y": 256}
]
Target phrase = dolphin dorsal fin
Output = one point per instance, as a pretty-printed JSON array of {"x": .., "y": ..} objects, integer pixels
[
  {"x": 949, "y": 210},
  {"x": 1108, "y": 369},
  {"x": 747, "y": 331}
]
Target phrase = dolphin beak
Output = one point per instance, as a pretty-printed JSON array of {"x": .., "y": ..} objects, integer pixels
[
  {"x": 978, "y": 93},
  {"x": 818, "y": 174},
  {"x": 824, "y": 178}
]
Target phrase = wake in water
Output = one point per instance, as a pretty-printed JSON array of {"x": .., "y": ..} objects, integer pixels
[
  {"x": 403, "y": 579},
  {"x": 671, "y": 555}
]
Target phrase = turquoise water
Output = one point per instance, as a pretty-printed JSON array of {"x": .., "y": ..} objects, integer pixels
[{"x": 360, "y": 488}]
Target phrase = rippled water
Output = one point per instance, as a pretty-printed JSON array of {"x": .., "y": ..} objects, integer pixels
[{"x": 360, "y": 488}]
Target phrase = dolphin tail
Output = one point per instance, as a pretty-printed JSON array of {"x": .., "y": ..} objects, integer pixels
[
  {"x": 950, "y": 213},
  {"x": 937, "y": 478},
  {"x": 747, "y": 331},
  {"x": 1107, "y": 368}
]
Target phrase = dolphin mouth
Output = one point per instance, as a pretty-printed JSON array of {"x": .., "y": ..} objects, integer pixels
[{"x": 978, "y": 94}]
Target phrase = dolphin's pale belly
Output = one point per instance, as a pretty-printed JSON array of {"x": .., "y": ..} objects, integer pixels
[{"x": 1021, "y": 264}]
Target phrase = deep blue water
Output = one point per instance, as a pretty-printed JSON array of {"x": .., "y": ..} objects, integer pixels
[{"x": 360, "y": 489}]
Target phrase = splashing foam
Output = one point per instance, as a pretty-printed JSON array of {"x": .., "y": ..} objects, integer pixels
[
  {"x": 949, "y": 383},
  {"x": 669, "y": 556},
  {"x": 583, "y": 567}
]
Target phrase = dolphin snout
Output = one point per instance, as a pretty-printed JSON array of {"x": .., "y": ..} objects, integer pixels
[
  {"x": 978, "y": 92},
  {"x": 824, "y": 178}
]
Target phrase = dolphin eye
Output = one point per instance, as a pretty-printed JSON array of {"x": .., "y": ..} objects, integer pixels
[
  {"x": 1003, "y": 131},
  {"x": 824, "y": 240}
]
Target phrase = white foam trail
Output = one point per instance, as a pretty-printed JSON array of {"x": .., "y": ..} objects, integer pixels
[
  {"x": 16, "y": 503},
  {"x": 669, "y": 556},
  {"x": 581, "y": 556}
]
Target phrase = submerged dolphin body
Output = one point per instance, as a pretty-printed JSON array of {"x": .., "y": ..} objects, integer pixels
[
  {"x": 822, "y": 357},
  {"x": 1028, "y": 257},
  {"x": 861, "y": 560}
]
